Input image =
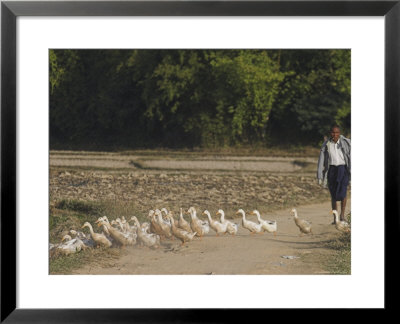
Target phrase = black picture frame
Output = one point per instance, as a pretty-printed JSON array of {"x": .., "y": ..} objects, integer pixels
[{"x": 11, "y": 10}]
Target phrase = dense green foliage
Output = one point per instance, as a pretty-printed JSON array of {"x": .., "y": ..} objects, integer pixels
[{"x": 112, "y": 99}]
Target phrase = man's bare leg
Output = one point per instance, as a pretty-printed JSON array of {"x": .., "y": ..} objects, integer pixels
[
  {"x": 343, "y": 207},
  {"x": 334, "y": 207}
]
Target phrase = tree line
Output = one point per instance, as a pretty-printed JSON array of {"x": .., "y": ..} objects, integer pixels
[{"x": 113, "y": 99}]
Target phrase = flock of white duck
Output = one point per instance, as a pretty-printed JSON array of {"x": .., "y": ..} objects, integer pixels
[{"x": 162, "y": 225}]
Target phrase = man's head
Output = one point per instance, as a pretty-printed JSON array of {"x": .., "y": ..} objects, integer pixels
[{"x": 335, "y": 133}]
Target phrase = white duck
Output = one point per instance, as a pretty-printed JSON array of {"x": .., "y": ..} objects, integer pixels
[
  {"x": 159, "y": 217},
  {"x": 167, "y": 218},
  {"x": 303, "y": 225},
  {"x": 80, "y": 235},
  {"x": 149, "y": 240},
  {"x": 125, "y": 224},
  {"x": 269, "y": 226},
  {"x": 105, "y": 230},
  {"x": 66, "y": 237},
  {"x": 165, "y": 226},
  {"x": 183, "y": 223},
  {"x": 340, "y": 225},
  {"x": 53, "y": 247},
  {"x": 105, "y": 218},
  {"x": 201, "y": 228},
  {"x": 145, "y": 226},
  {"x": 85, "y": 238},
  {"x": 232, "y": 228},
  {"x": 180, "y": 233},
  {"x": 164, "y": 218},
  {"x": 154, "y": 227},
  {"x": 118, "y": 224},
  {"x": 124, "y": 239},
  {"x": 72, "y": 245},
  {"x": 219, "y": 228},
  {"x": 99, "y": 239},
  {"x": 249, "y": 225}
]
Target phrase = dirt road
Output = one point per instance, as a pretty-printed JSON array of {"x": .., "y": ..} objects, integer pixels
[{"x": 287, "y": 253}]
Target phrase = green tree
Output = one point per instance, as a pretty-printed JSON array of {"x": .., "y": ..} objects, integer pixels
[
  {"x": 314, "y": 94},
  {"x": 110, "y": 99}
]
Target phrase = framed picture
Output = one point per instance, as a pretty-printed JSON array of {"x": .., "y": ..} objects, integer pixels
[{"x": 15, "y": 152}]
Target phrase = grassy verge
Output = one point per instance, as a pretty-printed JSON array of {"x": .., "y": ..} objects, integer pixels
[
  {"x": 71, "y": 214},
  {"x": 340, "y": 263},
  {"x": 338, "y": 260},
  {"x": 66, "y": 264}
]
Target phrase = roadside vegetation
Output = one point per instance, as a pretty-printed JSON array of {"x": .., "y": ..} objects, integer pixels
[
  {"x": 67, "y": 214},
  {"x": 66, "y": 264},
  {"x": 341, "y": 261},
  {"x": 338, "y": 261}
]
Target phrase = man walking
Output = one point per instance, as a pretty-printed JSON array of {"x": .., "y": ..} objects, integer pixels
[{"x": 334, "y": 168}]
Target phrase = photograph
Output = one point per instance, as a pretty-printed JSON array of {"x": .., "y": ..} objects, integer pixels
[
  {"x": 194, "y": 158},
  {"x": 199, "y": 161}
]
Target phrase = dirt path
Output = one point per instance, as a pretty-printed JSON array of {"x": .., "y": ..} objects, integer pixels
[
  {"x": 206, "y": 162},
  {"x": 240, "y": 254}
]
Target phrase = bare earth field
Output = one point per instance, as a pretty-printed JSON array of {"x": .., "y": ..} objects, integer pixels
[{"x": 132, "y": 184}]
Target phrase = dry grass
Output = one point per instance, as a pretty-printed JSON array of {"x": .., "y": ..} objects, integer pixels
[
  {"x": 341, "y": 263},
  {"x": 100, "y": 256},
  {"x": 72, "y": 214}
]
